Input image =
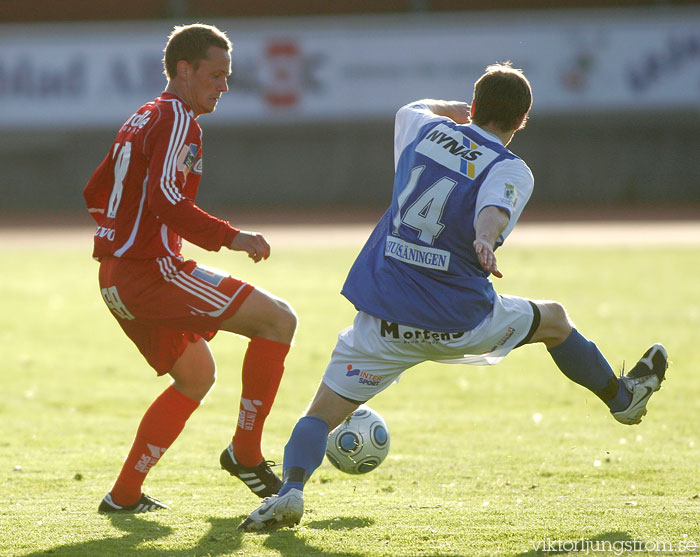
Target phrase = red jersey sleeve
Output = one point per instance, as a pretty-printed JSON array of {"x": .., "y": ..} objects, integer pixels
[
  {"x": 175, "y": 148},
  {"x": 98, "y": 189}
]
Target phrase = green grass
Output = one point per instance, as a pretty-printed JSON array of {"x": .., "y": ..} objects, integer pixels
[{"x": 470, "y": 472}]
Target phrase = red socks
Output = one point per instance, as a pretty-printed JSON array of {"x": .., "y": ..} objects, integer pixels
[
  {"x": 263, "y": 367},
  {"x": 160, "y": 426}
]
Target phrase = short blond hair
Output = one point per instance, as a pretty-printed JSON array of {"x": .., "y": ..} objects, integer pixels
[{"x": 191, "y": 43}]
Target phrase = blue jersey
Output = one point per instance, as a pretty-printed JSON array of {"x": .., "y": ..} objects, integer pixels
[{"x": 419, "y": 267}]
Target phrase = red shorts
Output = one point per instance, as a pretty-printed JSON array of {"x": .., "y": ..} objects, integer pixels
[{"x": 165, "y": 303}]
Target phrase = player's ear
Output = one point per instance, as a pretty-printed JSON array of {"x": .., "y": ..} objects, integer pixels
[
  {"x": 183, "y": 68},
  {"x": 521, "y": 122}
]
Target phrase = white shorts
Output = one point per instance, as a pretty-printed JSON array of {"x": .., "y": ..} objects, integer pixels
[{"x": 372, "y": 354}]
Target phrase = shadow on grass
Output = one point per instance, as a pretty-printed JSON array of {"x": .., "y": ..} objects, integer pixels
[
  {"x": 222, "y": 538},
  {"x": 287, "y": 543},
  {"x": 347, "y": 523},
  {"x": 608, "y": 543}
]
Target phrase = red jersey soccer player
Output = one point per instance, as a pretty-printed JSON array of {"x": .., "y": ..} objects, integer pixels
[{"x": 142, "y": 197}]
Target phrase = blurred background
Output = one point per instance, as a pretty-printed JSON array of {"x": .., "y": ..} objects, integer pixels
[{"x": 308, "y": 121}]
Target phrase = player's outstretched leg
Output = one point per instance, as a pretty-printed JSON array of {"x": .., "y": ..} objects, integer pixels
[
  {"x": 260, "y": 479},
  {"x": 643, "y": 380},
  {"x": 581, "y": 361}
]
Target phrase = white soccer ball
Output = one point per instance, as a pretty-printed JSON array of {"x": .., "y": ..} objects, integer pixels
[{"x": 360, "y": 443}]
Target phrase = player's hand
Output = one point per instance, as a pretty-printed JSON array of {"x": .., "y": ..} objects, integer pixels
[
  {"x": 252, "y": 243},
  {"x": 455, "y": 110},
  {"x": 460, "y": 112},
  {"x": 487, "y": 257}
]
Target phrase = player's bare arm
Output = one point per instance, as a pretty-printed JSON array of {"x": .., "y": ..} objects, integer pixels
[
  {"x": 455, "y": 110},
  {"x": 252, "y": 243},
  {"x": 490, "y": 223}
]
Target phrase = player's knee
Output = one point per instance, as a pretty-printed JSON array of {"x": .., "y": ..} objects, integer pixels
[
  {"x": 282, "y": 323},
  {"x": 555, "y": 325},
  {"x": 204, "y": 381},
  {"x": 330, "y": 407},
  {"x": 561, "y": 324},
  {"x": 206, "y": 372},
  {"x": 287, "y": 320},
  {"x": 558, "y": 313},
  {"x": 264, "y": 315},
  {"x": 196, "y": 385},
  {"x": 209, "y": 380}
]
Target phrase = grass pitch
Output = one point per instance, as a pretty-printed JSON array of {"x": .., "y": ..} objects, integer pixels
[{"x": 506, "y": 460}]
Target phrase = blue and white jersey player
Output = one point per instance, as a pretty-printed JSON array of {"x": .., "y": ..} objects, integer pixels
[
  {"x": 418, "y": 274},
  {"x": 421, "y": 283}
]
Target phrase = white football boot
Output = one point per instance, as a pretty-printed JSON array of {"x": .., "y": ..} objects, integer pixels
[
  {"x": 276, "y": 512},
  {"x": 642, "y": 381}
]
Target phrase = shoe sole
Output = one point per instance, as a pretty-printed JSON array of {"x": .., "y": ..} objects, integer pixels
[{"x": 269, "y": 525}]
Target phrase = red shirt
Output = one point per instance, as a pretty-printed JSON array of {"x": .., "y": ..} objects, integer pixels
[{"x": 142, "y": 194}]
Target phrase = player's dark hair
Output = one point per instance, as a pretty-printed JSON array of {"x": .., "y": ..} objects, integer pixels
[
  {"x": 191, "y": 43},
  {"x": 501, "y": 97}
]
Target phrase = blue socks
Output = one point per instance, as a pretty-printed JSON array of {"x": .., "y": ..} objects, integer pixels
[
  {"x": 577, "y": 357},
  {"x": 580, "y": 360},
  {"x": 304, "y": 452}
]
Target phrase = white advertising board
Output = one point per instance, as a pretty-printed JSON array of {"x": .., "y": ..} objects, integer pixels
[{"x": 358, "y": 67}]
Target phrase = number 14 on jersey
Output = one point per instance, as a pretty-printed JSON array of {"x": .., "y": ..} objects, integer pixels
[{"x": 424, "y": 214}]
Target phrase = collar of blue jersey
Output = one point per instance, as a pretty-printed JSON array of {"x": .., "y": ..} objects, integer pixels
[{"x": 485, "y": 134}]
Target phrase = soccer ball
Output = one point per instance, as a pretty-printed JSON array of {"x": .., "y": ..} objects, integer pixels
[{"x": 360, "y": 443}]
